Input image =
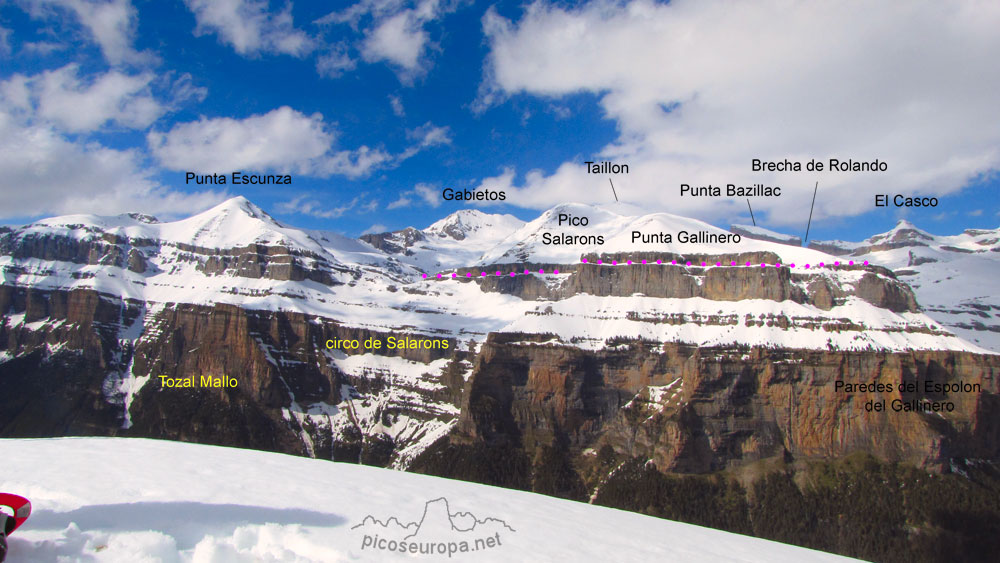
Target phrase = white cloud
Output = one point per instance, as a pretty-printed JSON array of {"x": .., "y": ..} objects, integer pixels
[
  {"x": 45, "y": 174},
  {"x": 404, "y": 200},
  {"x": 396, "y": 32},
  {"x": 429, "y": 194},
  {"x": 354, "y": 163},
  {"x": 78, "y": 105},
  {"x": 399, "y": 40},
  {"x": 249, "y": 27},
  {"x": 699, "y": 88},
  {"x": 397, "y": 106},
  {"x": 110, "y": 23},
  {"x": 283, "y": 140},
  {"x": 426, "y": 136},
  {"x": 335, "y": 62},
  {"x": 307, "y": 205},
  {"x": 375, "y": 229},
  {"x": 4, "y": 41},
  {"x": 430, "y": 135},
  {"x": 42, "y": 48}
]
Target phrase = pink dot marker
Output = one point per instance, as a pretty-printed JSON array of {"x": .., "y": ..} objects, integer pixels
[
  {"x": 851, "y": 263},
  {"x": 689, "y": 263},
  {"x": 643, "y": 261},
  {"x": 512, "y": 274},
  {"x": 614, "y": 262},
  {"x": 468, "y": 274},
  {"x": 556, "y": 272},
  {"x": 599, "y": 262},
  {"x": 482, "y": 273},
  {"x": 425, "y": 276},
  {"x": 453, "y": 274},
  {"x": 718, "y": 263},
  {"x": 702, "y": 264},
  {"x": 836, "y": 263},
  {"x": 629, "y": 262},
  {"x": 541, "y": 271},
  {"x": 763, "y": 265},
  {"x": 439, "y": 276},
  {"x": 733, "y": 263},
  {"x": 673, "y": 262},
  {"x": 748, "y": 263},
  {"x": 866, "y": 262},
  {"x": 527, "y": 271},
  {"x": 821, "y": 264},
  {"x": 807, "y": 266},
  {"x": 792, "y": 265},
  {"x": 498, "y": 272},
  {"x": 584, "y": 260}
]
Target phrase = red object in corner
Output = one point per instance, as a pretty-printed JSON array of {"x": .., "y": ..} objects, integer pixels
[{"x": 21, "y": 507}]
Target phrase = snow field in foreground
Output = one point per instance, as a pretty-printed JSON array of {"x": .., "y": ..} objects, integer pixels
[{"x": 135, "y": 500}]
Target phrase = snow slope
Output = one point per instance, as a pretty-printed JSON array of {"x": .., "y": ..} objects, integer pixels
[
  {"x": 956, "y": 278},
  {"x": 116, "y": 499},
  {"x": 456, "y": 241},
  {"x": 527, "y": 244}
]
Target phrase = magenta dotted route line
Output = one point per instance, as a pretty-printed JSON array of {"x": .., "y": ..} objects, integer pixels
[{"x": 660, "y": 262}]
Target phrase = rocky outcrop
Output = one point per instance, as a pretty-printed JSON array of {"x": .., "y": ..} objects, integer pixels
[
  {"x": 253, "y": 261},
  {"x": 88, "y": 363},
  {"x": 765, "y": 235},
  {"x": 397, "y": 242},
  {"x": 876, "y": 285},
  {"x": 702, "y": 410}
]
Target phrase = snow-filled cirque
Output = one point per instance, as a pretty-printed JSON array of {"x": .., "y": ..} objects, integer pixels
[{"x": 133, "y": 500}]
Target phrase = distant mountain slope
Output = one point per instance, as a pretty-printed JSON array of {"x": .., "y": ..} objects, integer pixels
[
  {"x": 956, "y": 278},
  {"x": 458, "y": 240},
  {"x": 117, "y": 500}
]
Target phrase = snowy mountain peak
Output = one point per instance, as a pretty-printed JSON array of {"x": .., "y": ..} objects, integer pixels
[
  {"x": 593, "y": 213},
  {"x": 467, "y": 222},
  {"x": 233, "y": 223},
  {"x": 241, "y": 206},
  {"x": 904, "y": 231}
]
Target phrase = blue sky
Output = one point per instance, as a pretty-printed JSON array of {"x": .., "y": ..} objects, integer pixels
[{"x": 374, "y": 107}]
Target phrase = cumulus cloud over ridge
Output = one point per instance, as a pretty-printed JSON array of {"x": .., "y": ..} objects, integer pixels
[{"x": 699, "y": 88}]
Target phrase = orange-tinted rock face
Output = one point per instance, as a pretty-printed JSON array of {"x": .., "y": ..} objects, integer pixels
[
  {"x": 685, "y": 408},
  {"x": 701, "y": 410}
]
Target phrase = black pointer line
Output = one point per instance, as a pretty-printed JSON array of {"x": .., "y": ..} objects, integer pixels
[
  {"x": 751, "y": 213},
  {"x": 613, "y": 189},
  {"x": 811, "y": 213}
]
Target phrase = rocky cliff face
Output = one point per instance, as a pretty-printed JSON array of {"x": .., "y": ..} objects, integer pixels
[
  {"x": 701, "y": 410},
  {"x": 875, "y": 285},
  {"x": 87, "y": 363}
]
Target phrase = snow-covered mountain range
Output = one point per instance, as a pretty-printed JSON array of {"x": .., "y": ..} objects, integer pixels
[
  {"x": 237, "y": 254},
  {"x": 463, "y": 278},
  {"x": 954, "y": 277},
  {"x": 546, "y": 356}
]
